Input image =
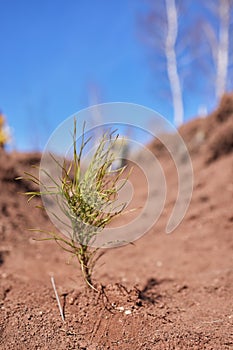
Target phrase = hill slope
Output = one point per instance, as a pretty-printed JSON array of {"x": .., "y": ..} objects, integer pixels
[{"x": 177, "y": 289}]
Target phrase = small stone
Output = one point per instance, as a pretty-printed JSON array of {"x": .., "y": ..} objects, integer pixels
[
  {"x": 121, "y": 308},
  {"x": 128, "y": 312}
]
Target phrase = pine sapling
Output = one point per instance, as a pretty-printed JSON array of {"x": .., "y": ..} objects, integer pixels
[{"x": 86, "y": 198}]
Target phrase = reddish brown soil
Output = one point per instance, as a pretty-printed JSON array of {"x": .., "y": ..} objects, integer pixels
[{"x": 165, "y": 292}]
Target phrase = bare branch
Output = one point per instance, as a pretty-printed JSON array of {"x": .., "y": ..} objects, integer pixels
[{"x": 212, "y": 39}]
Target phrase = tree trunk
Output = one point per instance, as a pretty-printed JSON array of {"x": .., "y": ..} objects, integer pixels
[
  {"x": 172, "y": 67},
  {"x": 223, "y": 48}
]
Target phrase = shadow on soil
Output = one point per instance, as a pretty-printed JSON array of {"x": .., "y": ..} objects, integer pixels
[{"x": 150, "y": 291}]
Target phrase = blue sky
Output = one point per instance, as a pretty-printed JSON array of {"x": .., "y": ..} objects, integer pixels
[{"x": 55, "y": 54}]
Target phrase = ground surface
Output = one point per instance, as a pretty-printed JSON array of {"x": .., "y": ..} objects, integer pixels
[{"x": 165, "y": 292}]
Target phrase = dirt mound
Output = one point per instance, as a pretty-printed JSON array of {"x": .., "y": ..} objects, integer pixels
[
  {"x": 164, "y": 292},
  {"x": 211, "y": 136},
  {"x": 221, "y": 142},
  {"x": 225, "y": 109}
]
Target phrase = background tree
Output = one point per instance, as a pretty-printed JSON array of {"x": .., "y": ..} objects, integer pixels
[
  {"x": 164, "y": 31},
  {"x": 190, "y": 42},
  {"x": 171, "y": 59},
  {"x": 217, "y": 26}
]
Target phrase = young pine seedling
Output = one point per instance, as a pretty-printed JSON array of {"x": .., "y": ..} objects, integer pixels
[{"x": 86, "y": 198}]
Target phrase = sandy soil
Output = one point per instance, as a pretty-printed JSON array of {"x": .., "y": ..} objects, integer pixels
[{"x": 165, "y": 292}]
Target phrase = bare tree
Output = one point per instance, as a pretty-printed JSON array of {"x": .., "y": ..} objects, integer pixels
[
  {"x": 161, "y": 26},
  {"x": 222, "y": 56},
  {"x": 171, "y": 58},
  {"x": 192, "y": 49},
  {"x": 218, "y": 33}
]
